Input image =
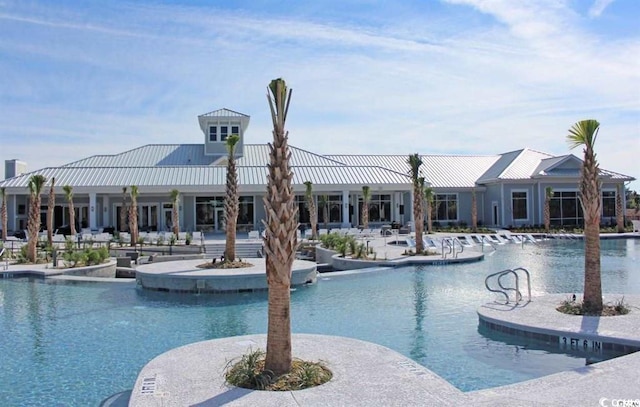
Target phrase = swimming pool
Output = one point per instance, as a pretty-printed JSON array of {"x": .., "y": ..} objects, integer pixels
[{"x": 76, "y": 344}]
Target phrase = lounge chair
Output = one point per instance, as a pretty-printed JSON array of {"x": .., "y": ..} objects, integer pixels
[{"x": 636, "y": 225}]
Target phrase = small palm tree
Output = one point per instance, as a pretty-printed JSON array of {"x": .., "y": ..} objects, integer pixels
[
  {"x": 548, "y": 194},
  {"x": 280, "y": 234},
  {"x": 36, "y": 182},
  {"x": 124, "y": 211},
  {"x": 619, "y": 210},
  {"x": 366, "y": 197},
  {"x": 311, "y": 206},
  {"x": 231, "y": 201},
  {"x": 133, "y": 215},
  {"x": 428, "y": 199},
  {"x": 323, "y": 203},
  {"x": 68, "y": 194},
  {"x": 50, "y": 205},
  {"x": 415, "y": 162},
  {"x": 175, "y": 222},
  {"x": 584, "y": 133},
  {"x": 474, "y": 211},
  {"x": 5, "y": 221}
]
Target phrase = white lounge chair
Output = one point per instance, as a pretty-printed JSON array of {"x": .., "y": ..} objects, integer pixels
[{"x": 636, "y": 225}]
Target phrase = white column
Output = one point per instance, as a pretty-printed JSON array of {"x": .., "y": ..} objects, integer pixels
[
  {"x": 396, "y": 207},
  {"x": 106, "y": 219},
  {"x": 345, "y": 209},
  {"x": 92, "y": 211}
]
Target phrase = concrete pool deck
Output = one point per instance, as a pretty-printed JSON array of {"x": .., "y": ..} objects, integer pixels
[{"x": 369, "y": 374}]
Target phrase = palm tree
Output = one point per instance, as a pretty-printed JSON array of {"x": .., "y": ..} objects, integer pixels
[
  {"x": 323, "y": 202},
  {"x": 231, "y": 200},
  {"x": 50, "y": 205},
  {"x": 474, "y": 211},
  {"x": 619, "y": 210},
  {"x": 123, "y": 211},
  {"x": 415, "y": 162},
  {"x": 584, "y": 133},
  {"x": 36, "y": 182},
  {"x": 68, "y": 194},
  {"x": 428, "y": 199},
  {"x": 175, "y": 199},
  {"x": 5, "y": 222},
  {"x": 280, "y": 234},
  {"x": 548, "y": 194},
  {"x": 311, "y": 206},
  {"x": 133, "y": 215},
  {"x": 366, "y": 197}
]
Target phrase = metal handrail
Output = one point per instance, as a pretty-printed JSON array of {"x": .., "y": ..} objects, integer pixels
[
  {"x": 504, "y": 290},
  {"x": 446, "y": 241},
  {"x": 6, "y": 261},
  {"x": 490, "y": 243}
]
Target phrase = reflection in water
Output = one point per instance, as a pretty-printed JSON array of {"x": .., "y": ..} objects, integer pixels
[{"x": 418, "y": 350}]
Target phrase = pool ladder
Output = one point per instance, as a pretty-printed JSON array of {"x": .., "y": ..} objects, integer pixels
[
  {"x": 507, "y": 289},
  {"x": 450, "y": 243}
]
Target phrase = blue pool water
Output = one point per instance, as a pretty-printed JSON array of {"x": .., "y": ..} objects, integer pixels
[{"x": 77, "y": 343}]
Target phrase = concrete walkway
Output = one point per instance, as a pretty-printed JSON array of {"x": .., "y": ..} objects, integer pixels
[{"x": 367, "y": 374}]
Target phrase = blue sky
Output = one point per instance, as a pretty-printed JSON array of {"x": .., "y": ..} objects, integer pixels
[{"x": 79, "y": 78}]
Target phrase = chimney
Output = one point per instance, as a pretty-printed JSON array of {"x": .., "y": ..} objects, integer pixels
[{"x": 13, "y": 168}]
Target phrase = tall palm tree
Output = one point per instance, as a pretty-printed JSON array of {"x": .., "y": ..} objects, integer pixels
[
  {"x": 5, "y": 221},
  {"x": 36, "y": 182},
  {"x": 133, "y": 215},
  {"x": 415, "y": 162},
  {"x": 474, "y": 211},
  {"x": 280, "y": 233},
  {"x": 428, "y": 199},
  {"x": 68, "y": 194},
  {"x": 323, "y": 202},
  {"x": 366, "y": 197},
  {"x": 124, "y": 211},
  {"x": 231, "y": 200},
  {"x": 619, "y": 209},
  {"x": 548, "y": 194},
  {"x": 175, "y": 221},
  {"x": 584, "y": 133},
  {"x": 311, "y": 206},
  {"x": 51, "y": 203}
]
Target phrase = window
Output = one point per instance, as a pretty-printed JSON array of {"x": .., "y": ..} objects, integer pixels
[
  {"x": 333, "y": 209},
  {"x": 303, "y": 210},
  {"x": 519, "y": 205},
  {"x": 235, "y": 130},
  {"x": 224, "y": 132},
  {"x": 213, "y": 133},
  {"x": 445, "y": 207},
  {"x": 565, "y": 209},
  {"x": 609, "y": 204},
  {"x": 245, "y": 211},
  {"x": 379, "y": 208}
]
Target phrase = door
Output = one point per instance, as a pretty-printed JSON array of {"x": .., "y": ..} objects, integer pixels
[
  {"x": 168, "y": 219},
  {"x": 220, "y": 223}
]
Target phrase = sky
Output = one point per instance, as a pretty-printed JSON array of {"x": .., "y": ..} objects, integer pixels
[{"x": 80, "y": 78}]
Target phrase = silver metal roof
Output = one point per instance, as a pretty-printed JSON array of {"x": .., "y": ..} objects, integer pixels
[
  {"x": 207, "y": 176},
  {"x": 441, "y": 171},
  {"x": 223, "y": 113}
]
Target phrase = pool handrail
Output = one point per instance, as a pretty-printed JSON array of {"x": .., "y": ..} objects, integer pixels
[{"x": 505, "y": 290}]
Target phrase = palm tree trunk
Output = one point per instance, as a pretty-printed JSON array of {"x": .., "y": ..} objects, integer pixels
[
  {"x": 280, "y": 235},
  {"x": 474, "y": 211},
  {"x": 72, "y": 218},
  {"x": 429, "y": 220},
  {"x": 313, "y": 219},
  {"x": 619, "y": 210},
  {"x": 4, "y": 215},
  {"x": 33, "y": 228},
  {"x": 547, "y": 214},
  {"x": 176, "y": 220},
  {"x": 419, "y": 217},
  {"x": 50, "y": 206},
  {"x": 590, "y": 201}
]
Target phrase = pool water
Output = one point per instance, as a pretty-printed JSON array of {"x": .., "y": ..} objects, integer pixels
[{"x": 77, "y": 343}]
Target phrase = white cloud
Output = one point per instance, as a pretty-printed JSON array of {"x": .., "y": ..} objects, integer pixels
[{"x": 598, "y": 7}]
